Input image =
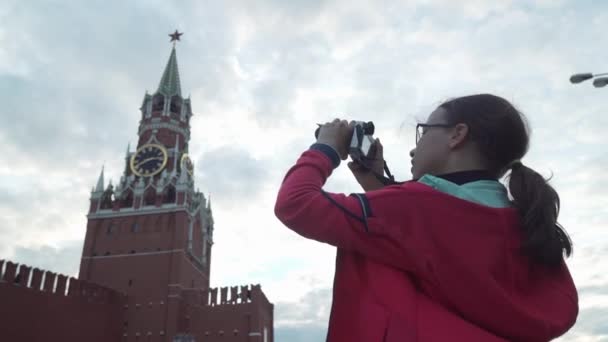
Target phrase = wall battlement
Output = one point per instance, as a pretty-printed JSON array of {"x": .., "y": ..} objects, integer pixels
[
  {"x": 230, "y": 314},
  {"x": 39, "y": 305},
  {"x": 224, "y": 296},
  {"x": 234, "y": 295},
  {"x": 12, "y": 274}
]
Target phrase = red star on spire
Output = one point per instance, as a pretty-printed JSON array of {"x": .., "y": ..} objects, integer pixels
[{"x": 175, "y": 36}]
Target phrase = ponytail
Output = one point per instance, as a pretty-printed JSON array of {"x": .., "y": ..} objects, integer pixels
[
  {"x": 544, "y": 239},
  {"x": 501, "y": 133}
]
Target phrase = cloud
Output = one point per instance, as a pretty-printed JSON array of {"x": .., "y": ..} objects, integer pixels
[
  {"x": 304, "y": 320},
  {"x": 260, "y": 75},
  {"x": 597, "y": 290},
  {"x": 591, "y": 323},
  {"x": 300, "y": 333},
  {"x": 312, "y": 308},
  {"x": 33, "y": 212},
  {"x": 231, "y": 174},
  {"x": 64, "y": 259}
]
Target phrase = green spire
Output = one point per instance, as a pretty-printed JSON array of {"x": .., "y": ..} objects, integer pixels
[{"x": 169, "y": 83}]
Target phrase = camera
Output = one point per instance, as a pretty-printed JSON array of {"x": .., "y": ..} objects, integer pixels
[{"x": 361, "y": 149}]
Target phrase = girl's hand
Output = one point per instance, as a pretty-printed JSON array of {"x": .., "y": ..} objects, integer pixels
[
  {"x": 365, "y": 177},
  {"x": 337, "y": 134}
]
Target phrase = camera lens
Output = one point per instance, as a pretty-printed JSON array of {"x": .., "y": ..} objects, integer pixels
[{"x": 369, "y": 128}]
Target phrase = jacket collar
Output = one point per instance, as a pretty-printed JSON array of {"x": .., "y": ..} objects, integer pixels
[{"x": 463, "y": 177}]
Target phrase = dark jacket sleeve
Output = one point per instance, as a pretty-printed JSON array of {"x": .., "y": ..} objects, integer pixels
[{"x": 343, "y": 221}]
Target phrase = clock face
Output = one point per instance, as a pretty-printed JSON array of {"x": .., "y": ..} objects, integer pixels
[
  {"x": 149, "y": 160},
  {"x": 187, "y": 164}
]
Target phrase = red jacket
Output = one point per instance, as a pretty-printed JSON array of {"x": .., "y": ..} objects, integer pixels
[{"x": 425, "y": 266}]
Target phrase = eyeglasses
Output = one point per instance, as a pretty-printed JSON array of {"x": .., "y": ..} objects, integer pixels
[{"x": 422, "y": 128}]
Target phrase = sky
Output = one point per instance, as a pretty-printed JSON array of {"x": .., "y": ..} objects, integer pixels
[{"x": 261, "y": 74}]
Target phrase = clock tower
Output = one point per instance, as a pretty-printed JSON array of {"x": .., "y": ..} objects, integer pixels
[{"x": 150, "y": 235}]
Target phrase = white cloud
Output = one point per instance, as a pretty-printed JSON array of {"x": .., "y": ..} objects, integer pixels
[{"x": 261, "y": 75}]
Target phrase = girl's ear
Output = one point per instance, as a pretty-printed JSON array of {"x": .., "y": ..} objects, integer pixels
[{"x": 458, "y": 134}]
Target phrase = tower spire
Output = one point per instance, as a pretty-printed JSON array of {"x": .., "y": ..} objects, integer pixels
[
  {"x": 169, "y": 83},
  {"x": 99, "y": 186},
  {"x": 128, "y": 148}
]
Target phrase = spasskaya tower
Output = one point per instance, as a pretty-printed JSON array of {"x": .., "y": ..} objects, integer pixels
[
  {"x": 145, "y": 264},
  {"x": 150, "y": 236}
]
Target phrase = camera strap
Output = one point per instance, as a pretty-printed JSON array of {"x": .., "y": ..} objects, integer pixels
[{"x": 390, "y": 180}]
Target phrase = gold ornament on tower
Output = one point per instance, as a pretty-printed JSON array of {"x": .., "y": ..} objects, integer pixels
[{"x": 186, "y": 164}]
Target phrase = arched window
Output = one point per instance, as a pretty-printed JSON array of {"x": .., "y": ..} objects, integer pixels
[
  {"x": 188, "y": 111},
  {"x": 150, "y": 196},
  {"x": 176, "y": 105},
  {"x": 170, "y": 194},
  {"x": 127, "y": 200},
  {"x": 158, "y": 103},
  {"x": 106, "y": 199}
]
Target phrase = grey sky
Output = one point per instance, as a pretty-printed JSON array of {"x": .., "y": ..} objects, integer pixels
[{"x": 260, "y": 75}]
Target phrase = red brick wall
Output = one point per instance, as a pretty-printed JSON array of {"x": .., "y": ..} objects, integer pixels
[
  {"x": 164, "y": 136},
  {"x": 153, "y": 276},
  {"x": 66, "y": 309},
  {"x": 235, "y": 314},
  {"x": 160, "y": 254}
]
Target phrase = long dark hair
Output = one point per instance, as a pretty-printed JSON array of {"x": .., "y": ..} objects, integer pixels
[{"x": 502, "y": 136}]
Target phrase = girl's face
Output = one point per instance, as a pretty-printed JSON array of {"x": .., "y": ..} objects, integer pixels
[{"x": 431, "y": 152}]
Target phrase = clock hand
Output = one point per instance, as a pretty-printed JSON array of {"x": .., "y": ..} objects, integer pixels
[{"x": 147, "y": 160}]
